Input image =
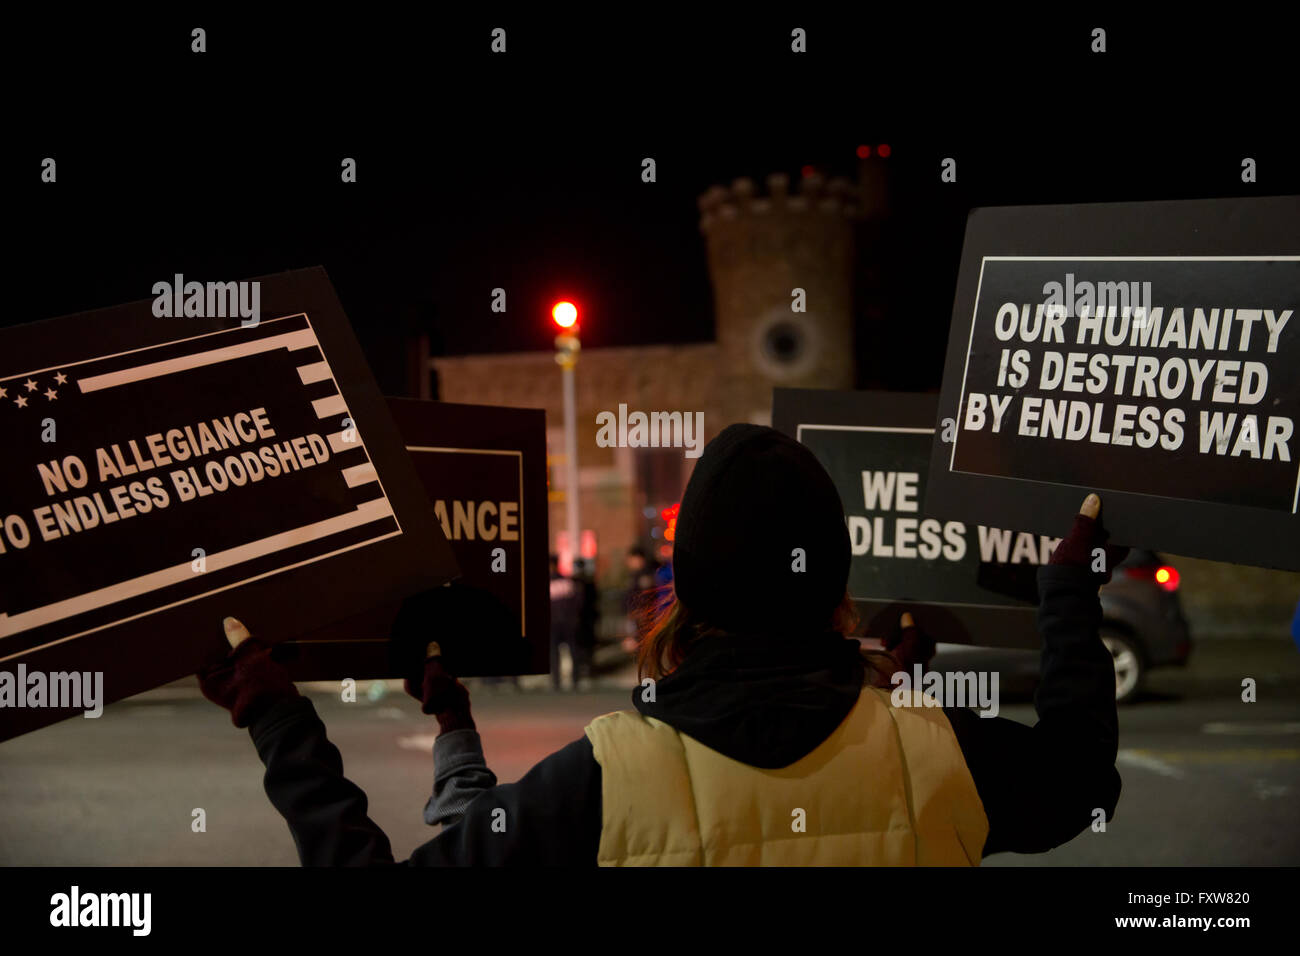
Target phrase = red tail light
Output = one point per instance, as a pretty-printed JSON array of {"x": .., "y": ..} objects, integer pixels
[{"x": 1163, "y": 576}]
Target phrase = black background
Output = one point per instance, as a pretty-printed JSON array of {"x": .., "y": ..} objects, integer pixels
[{"x": 317, "y": 906}]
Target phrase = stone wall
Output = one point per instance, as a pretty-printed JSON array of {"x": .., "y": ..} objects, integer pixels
[{"x": 650, "y": 378}]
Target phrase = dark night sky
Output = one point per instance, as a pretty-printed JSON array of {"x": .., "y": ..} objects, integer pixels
[{"x": 523, "y": 171}]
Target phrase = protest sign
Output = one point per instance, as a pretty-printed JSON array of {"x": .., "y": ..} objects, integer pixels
[
  {"x": 965, "y": 583},
  {"x": 483, "y": 469},
  {"x": 162, "y": 471},
  {"x": 1146, "y": 351}
]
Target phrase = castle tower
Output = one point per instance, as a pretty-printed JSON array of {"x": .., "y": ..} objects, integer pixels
[{"x": 761, "y": 248}]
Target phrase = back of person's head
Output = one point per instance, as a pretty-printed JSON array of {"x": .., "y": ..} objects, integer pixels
[
  {"x": 761, "y": 546},
  {"x": 761, "y": 542}
]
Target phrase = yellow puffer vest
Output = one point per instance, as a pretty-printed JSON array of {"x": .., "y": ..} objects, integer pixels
[{"x": 888, "y": 788}]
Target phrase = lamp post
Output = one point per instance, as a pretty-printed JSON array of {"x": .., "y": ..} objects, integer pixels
[{"x": 567, "y": 346}]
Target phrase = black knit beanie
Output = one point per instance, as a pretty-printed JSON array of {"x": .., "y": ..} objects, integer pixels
[{"x": 754, "y": 497}]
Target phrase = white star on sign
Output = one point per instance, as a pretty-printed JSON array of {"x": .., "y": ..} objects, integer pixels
[
  {"x": 3, "y": 393},
  {"x": 20, "y": 402},
  {"x": 51, "y": 394},
  {"x": 31, "y": 386},
  {"x": 60, "y": 378}
]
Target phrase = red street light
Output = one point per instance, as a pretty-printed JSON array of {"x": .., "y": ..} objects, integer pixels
[
  {"x": 565, "y": 314},
  {"x": 669, "y": 515}
]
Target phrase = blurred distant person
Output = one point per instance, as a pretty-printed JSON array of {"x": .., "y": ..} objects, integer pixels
[
  {"x": 566, "y": 606},
  {"x": 640, "y": 576},
  {"x": 766, "y": 734},
  {"x": 584, "y": 644},
  {"x": 641, "y": 573}
]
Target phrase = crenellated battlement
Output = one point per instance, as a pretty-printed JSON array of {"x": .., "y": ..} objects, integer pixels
[{"x": 837, "y": 197}]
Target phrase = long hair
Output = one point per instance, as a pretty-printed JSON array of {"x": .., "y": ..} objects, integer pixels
[{"x": 667, "y": 632}]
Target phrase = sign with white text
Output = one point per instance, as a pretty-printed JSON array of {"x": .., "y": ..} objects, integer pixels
[
  {"x": 965, "y": 583},
  {"x": 1146, "y": 351},
  {"x": 161, "y": 473}
]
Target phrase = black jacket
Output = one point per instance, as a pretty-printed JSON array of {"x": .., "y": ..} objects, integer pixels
[{"x": 763, "y": 704}]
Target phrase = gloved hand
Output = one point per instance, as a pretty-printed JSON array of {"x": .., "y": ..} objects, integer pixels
[
  {"x": 247, "y": 682},
  {"x": 441, "y": 695},
  {"x": 909, "y": 644},
  {"x": 1087, "y": 534}
]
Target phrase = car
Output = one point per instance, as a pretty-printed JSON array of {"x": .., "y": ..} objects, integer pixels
[{"x": 1143, "y": 627}]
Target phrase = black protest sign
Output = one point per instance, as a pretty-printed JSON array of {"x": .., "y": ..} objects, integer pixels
[
  {"x": 965, "y": 583},
  {"x": 162, "y": 472},
  {"x": 1146, "y": 351},
  {"x": 483, "y": 470}
]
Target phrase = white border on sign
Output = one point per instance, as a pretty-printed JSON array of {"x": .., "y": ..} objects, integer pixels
[
  {"x": 961, "y": 396},
  {"x": 798, "y": 435},
  {"x": 282, "y": 536},
  {"x": 523, "y": 607}
]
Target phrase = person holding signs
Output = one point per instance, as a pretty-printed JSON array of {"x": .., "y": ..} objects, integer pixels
[{"x": 761, "y": 734}]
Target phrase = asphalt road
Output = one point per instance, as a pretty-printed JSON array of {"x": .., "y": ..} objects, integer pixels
[{"x": 1208, "y": 779}]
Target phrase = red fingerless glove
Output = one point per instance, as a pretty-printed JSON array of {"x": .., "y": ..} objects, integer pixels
[
  {"x": 247, "y": 683},
  {"x": 1077, "y": 547},
  {"x": 441, "y": 695}
]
